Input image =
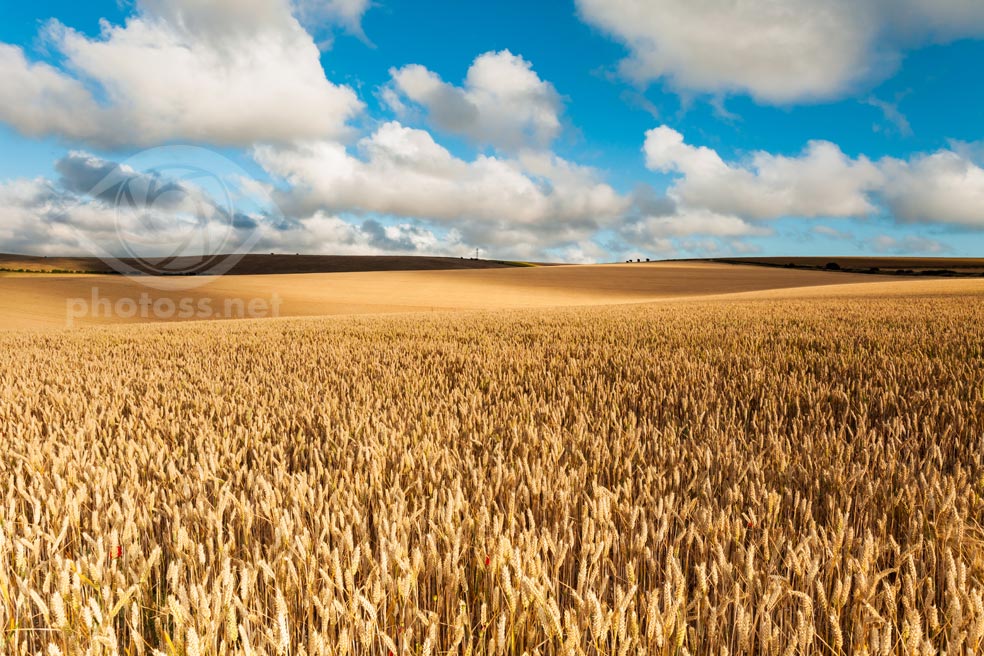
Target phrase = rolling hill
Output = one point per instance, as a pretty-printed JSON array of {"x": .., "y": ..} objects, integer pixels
[
  {"x": 39, "y": 300},
  {"x": 252, "y": 264}
]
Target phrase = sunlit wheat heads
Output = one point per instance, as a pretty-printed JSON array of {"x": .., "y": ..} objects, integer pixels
[{"x": 767, "y": 477}]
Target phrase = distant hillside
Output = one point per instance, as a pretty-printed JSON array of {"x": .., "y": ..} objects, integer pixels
[
  {"x": 44, "y": 301},
  {"x": 912, "y": 266},
  {"x": 256, "y": 264}
]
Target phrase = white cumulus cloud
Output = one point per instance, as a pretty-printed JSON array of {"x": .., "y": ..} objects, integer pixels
[
  {"x": 402, "y": 171},
  {"x": 686, "y": 222},
  {"x": 941, "y": 187},
  {"x": 519, "y": 206},
  {"x": 945, "y": 187},
  {"x": 226, "y": 72},
  {"x": 779, "y": 51},
  {"x": 502, "y": 103},
  {"x": 821, "y": 181}
]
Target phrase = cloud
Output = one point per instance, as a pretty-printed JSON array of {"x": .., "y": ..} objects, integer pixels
[
  {"x": 38, "y": 217},
  {"x": 216, "y": 72},
  {"x": 682, "y": 229},
  {"x": 942, "y": 187},
  {"x": 102, "y": 208},
  {"x": 45, "y": 217},
  {"x": 833, "y": 233},
  {"x": 403, "y": 172},
  {"x": 523, "y": 206},
  {"x": 910, "y": 245},
  {"x": 891, "y": 113},
  {"x": 25, "y": 208},
  {"x": 398, "y": 191},
  {"x": 821, "y": 181},
  {"x": 778, "y": 52},
  {"x": 84, "y": 174},
  {"x": 502, "y": 103},
  {"x": 325, "y": 233},
  {"x": 686, "y": 222},
  {"x": 969, "y": 150},
  {"x": 347, "y": 13},
  {"x": 404, "y": 237},
  {"x": 39, "y": 99},
  {"x": 586, "y": 252}
]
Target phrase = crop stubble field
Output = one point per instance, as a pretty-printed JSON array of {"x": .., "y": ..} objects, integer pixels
[{"x": 784, "y": 475}]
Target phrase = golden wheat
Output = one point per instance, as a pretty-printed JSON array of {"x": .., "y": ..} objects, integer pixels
[{"x": 774, "y": 477}]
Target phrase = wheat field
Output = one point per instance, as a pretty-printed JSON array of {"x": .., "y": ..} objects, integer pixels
[{"x": 760, "y": 476}]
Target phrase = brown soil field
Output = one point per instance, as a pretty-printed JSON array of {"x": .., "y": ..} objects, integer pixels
[{"x": 43, "y": 300}]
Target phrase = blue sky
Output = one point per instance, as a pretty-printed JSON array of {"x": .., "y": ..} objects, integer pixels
[{"x": 581, "y": 131}]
